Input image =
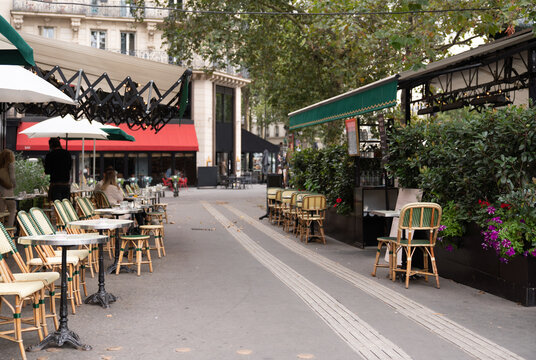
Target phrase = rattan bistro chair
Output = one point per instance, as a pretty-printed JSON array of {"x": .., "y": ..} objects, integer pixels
[
  {"x": 288, "y": 210},
  {"x": 20, "y": 291},
  {"x": 313, "y": 210},
  {"x": 48, "y": 278},
  {"x": 101, "y": 200},
  {"x": 270, "y": 196},
  {"x": 425, "y": 217}
]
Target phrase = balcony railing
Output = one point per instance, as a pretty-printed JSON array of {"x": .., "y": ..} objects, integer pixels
[
  {"x": 159, "y": 56},
  {"x": 109, "y": 8}
]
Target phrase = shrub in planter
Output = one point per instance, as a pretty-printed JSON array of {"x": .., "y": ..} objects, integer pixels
[
  {"x": 461, "y": 157},
  {"x": 29, "y": 175},
  {"x": 329, "y": 171}
]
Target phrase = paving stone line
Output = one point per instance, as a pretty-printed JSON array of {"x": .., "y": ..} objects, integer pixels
[
  {"x": 359, "y": 335},
  {"x": 469, "y": 341}
]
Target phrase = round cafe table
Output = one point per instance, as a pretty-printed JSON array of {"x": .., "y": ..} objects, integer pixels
[
  {"x": 63, "y": 335},
  {"x": 101, "y": 297}
]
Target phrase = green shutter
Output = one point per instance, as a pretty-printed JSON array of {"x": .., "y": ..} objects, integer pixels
[{"x": 372, "y": 97}]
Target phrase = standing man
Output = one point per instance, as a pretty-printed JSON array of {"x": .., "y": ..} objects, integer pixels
[{"x": 58, "y": 165}]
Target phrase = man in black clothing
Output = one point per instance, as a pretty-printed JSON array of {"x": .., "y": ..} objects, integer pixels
[{"x": 58, "y": 165}]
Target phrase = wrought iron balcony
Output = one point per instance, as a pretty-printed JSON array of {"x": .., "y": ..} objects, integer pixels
[{"x": 90, "y": 8}]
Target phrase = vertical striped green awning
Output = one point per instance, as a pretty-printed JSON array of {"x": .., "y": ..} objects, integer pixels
[
  {"x": 375, "y": 96},
  {"x": 15, "y": 51}
]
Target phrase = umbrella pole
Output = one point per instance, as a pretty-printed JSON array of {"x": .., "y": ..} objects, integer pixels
[
  {"x": 83, "y": 165},
  {"x": 94, "y": 141}
]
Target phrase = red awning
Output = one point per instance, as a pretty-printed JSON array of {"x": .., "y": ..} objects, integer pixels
[{"x": 172, "y": 137}]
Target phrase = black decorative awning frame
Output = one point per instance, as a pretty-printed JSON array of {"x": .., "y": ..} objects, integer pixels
[
  {"x": 140, "y": 107},
  {"x": 476, "y": 92}
]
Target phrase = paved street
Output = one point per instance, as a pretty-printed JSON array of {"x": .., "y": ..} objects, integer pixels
[{"x": 234, "y": 287}]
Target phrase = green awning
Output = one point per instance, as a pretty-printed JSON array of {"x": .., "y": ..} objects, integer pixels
[
  {"x": 16, "y": 53},
  {"x": 375, "y": 96}
]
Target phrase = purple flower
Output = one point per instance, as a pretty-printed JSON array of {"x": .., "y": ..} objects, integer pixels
[
  {"x": 506, "y": 243},
  {"x": 491, "y": 210},
  {"x": 503, "y": 260},
  {"x": 440, "y": 238},
  {"x": 441, "y": 228},
  {"x": 449, "y": 248},
  {"x": 522, "y": 221},
  {"x": 491, "y": 227},
  {"x": 511, "y": 252},
  {"x": 496, "y": 219},
  {"x": 526, "y": 253},
  {"x": 494, "y": 235},
  {"x": 533, "y": 252}
]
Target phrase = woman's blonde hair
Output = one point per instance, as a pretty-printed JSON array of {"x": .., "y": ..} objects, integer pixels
[
  {"x": 109, "y": 178},
  {"x": 6, "y": 157}
]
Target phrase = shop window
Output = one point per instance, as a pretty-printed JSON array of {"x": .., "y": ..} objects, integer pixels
[{"x": 224, "y": 104}]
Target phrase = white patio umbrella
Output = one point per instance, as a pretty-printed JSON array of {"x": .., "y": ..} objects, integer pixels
[
  {"x": 18, "y": 85},
  {"x": 67, "y": 128}
]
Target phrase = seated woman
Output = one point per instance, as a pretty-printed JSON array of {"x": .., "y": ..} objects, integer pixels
[{"x": 109, "y": 186}]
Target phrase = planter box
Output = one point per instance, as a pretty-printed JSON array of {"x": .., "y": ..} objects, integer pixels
[
  {"x": 353, "y": 230},
  {"x": 340, "y": 227},
  {"x": 473, "y": 266}
]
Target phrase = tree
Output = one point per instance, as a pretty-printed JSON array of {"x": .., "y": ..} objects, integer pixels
[{"x": 296, "y": 60}]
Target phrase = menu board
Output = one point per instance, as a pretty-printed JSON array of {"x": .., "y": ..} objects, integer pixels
[{"x": 353, "y": 136}]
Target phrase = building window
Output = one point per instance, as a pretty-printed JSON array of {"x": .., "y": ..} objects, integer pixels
[
  {"x": 98, "y": 39},
  {"x": 128, "y": 43},
  {"x": 177, "y": 4},
  {"x": 47, "y": 31},
  {"x": 276, "y": 131},
  {"x": 224, "y": 104}
]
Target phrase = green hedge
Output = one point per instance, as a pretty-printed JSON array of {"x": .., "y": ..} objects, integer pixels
[{"x": 329, "y": 171}]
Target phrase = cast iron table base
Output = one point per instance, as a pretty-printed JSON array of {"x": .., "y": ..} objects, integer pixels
[{"x": 63, "y": 335}]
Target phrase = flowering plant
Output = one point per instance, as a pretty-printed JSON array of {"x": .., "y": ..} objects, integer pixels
[{"x": 509, "y": 227}]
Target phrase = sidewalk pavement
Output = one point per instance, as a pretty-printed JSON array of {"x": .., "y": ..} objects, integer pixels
[{"x": 234, "y": 287}]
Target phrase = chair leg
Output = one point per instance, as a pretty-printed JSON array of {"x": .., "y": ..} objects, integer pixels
[
  {"x": 321, "y": 229},
  {"x": 52, "y": 306},
  {"x": 425, "y": 263},
  {"x": 161, "y": 240},
  {"x": 121, "y": 253},
  {"x": 18, "y": 326},
  {"x": 42, "y": 312},
  {"x": 408, "y": 265},
  {"x": 394, "y": 261},
  {"x": 138, "y": 256},
  {"x": 434, "y": 266},
  {"x": 148, "y": 254},
  {"x": 378, "y": 251}
]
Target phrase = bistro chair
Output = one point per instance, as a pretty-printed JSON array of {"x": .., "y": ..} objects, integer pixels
[
  {"x": 277, "y": 207},
  {"x": 129, "y": 190},
  {"x": 158, "y": 233},
  {"x": 48, "y": 279},
  {"x": 102, "y": 200},
  {"x": 131, "y": 244},
  {"x": 405, "y": 196},
  {"x": 313, "y": 210},
  {"x": 270, "y": 196},
  {"x": 422, "y": 217},
  {"x": 87, "y": 255},
  {"x": 21, "y": 291},
  {"x": 298, "y": 206},
  {"x": 286, "y": 197},
  {"x": 290, "y": 213},
  {"x": 50, "y": 260},
  {"x": 161, "y": 207}
]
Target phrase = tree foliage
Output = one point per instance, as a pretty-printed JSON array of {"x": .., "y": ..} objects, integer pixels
[{"x": 295, "y": 61}]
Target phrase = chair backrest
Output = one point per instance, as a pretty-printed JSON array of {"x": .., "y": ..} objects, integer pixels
[
  {"x": 314, "y": 202},
  {"x": 42, "y": 221},
  {"x": 85, "y": 210},
  {"x": 271, "y": 192},
  {"x": 299, "y": 198},
  {"x": 128, "y": 189},
  {"x": 90, "y": 206},
  {"x": 69, "y": 209},
  {"x": 286, "y": 196},
  {"x": 27, "y": 224},
  {"x": 6, "y": 244},
  {"x": 62, "y": 218},
  {"x": 420, "y": 216},
  {"x": 278, "y": 195},
  {"x": 405, "y": 196},
  {"x": 102, "y": 200}
]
